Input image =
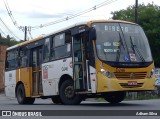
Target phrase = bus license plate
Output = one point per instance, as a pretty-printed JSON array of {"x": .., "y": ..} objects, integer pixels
[{"x": 132, "y": 83}]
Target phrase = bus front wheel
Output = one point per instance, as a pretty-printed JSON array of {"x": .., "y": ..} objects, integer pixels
[
  {"x": 67, "y": 94},
  {"x": 114, "y": 97},
  {"x": 21, "y": 96}
]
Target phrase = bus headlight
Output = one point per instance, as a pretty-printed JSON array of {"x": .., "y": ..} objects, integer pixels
[
  {"x": 102, "y": 70},
  {"x": 151, "y": 73},
  {"x": 107, "y": 73}
]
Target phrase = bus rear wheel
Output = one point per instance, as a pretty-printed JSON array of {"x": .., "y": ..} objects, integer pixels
[
  {"x": 114, "y": 97},
  {"x": 67, "y": 94},
  {"x": 21, "y": 96}
]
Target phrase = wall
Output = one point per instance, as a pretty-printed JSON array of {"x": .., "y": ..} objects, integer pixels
[{"x": 2, "y": 64}]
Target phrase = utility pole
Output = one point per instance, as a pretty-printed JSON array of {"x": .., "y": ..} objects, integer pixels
[
  {"x": 25, "y": 33},
  {"x": 136, "y": 12}
]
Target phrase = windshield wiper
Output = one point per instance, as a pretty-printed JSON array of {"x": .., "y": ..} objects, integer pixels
[
  {"x": 134, "y": 47},
  {"x": 119, "y": 51}
]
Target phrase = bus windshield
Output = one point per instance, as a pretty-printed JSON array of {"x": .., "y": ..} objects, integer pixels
[{"x": 121, "y": 42}]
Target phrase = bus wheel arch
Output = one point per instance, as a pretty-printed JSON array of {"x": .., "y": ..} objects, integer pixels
[
  {"x": 21, "y": 95},
  {"x": 63, "y": 78},
  {"x": 56, "y": 99}
]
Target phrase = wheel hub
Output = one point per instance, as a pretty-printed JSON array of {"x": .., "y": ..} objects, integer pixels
[{"x": 69, "y": 92}]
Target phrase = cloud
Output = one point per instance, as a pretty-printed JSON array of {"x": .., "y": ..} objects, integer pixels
[
  {"x": 37, "y": 12},
  {"x": 43, "y": 15}
]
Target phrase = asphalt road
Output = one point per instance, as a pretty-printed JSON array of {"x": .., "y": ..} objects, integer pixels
[{"x": 87, "y": 107}]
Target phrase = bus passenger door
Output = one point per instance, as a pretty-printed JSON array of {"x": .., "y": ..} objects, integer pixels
[
  {"x": 79, "y": 63},
  {"x": 37, "y": 71}
]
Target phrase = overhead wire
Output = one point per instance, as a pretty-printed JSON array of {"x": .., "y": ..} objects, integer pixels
[
  {"x": 12, "y": 19},
  {"x": 75, "y": 15},
  {"x": 2, "y": 29},
  {"x": 3, "y": 32},
  {"x": 10, "y": 14},
  {"x": 8, "y": 29},
  {"x": 30, "y": 34},
  {"x": 50, "y": 23},
  {"x": 29, "y": 31}
]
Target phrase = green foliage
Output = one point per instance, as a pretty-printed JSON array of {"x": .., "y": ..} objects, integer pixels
[
  {"x": 8, "y": 41},
  {"x": 149, "y": 19},
  {"x": 142, "y": 95},
  {"x": 154, "y": 41}
]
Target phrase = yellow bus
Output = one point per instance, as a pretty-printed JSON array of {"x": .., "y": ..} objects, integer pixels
[{"x": 99, "y": 58}]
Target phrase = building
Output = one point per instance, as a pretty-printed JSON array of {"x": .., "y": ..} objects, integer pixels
[{"x": 2, "y": 65}]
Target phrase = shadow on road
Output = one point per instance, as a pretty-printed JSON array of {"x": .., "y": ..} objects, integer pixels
[
  {"x": 111, "y": 105},
  {"x": 98, "y": 104}
]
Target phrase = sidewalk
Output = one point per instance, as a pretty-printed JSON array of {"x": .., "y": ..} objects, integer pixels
[{"x": 3, "y": 96}]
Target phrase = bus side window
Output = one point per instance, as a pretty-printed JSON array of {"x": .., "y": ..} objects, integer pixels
[
  {"x": 17, "y": 58},
  {"x": 46, "y": 50},
  {"x": 23, "y": 58},
  {"x": 7, "y": 63},
  {"x": 52, "y": 49},
  {"x": 68, "y": 37},
  {"x": 90, "y": 55},
  {"x": 61, "y": 45}
]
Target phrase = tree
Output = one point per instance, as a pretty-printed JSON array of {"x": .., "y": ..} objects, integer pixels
[
  {"x": 9, "y": 41},
  {"x": 149, "y": 19}
]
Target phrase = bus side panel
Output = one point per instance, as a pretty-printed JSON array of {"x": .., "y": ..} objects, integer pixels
[
  {"x": 52, "y": 72},
  {"x": 93, "y": 79},
  {"x": 10, "y": 83},
  {"x": 24, "y": 75}
]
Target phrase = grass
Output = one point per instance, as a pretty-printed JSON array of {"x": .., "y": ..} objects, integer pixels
[
  {"x": 100, "y": 100},
  {"x": 139, "y": 97},
  {"x": 143, "y": 97}
]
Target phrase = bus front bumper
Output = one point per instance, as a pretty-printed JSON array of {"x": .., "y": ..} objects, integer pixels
[{"x": 113, "y": 84}]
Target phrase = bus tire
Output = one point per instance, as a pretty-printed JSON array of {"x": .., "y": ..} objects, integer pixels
[
  {"x": 67, "y": 94},
  {"x": 30, "y": 100},
  {"x": 114, "y": 97},
  {"x": 56, "y": 100},
  {"x": 21, "y": 96}
]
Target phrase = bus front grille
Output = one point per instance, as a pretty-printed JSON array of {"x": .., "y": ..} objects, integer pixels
[{"x": 130, "y": 75}]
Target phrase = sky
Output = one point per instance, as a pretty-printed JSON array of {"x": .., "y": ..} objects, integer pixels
[{"x": 33, "y": 13}]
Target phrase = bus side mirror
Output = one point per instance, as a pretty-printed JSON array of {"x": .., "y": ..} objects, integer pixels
[{"x": 92, "y": 34}]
